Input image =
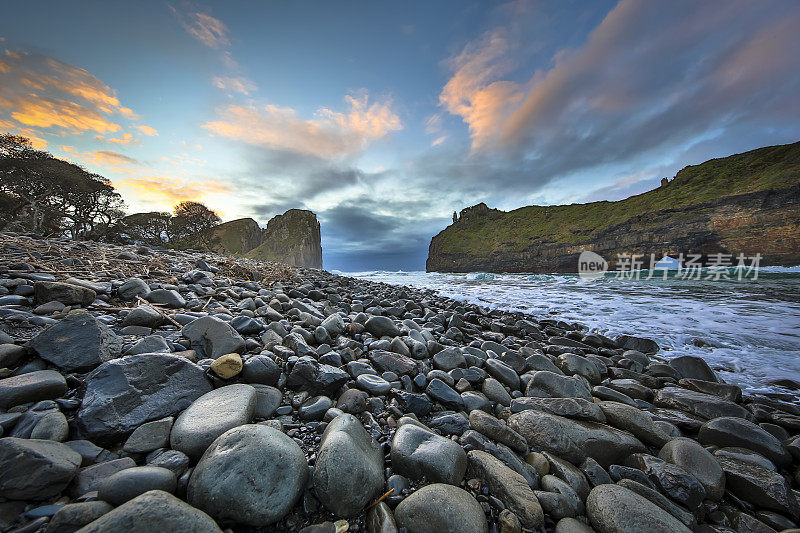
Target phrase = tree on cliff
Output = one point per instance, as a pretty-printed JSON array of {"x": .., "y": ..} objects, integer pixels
[
  {"x": 192, "y": 218},
  {"x": 44, "y": 194},
  {"x": 148, "y": 228}
]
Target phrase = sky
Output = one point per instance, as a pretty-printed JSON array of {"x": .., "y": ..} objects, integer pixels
[{"x": 386, "y": 117}]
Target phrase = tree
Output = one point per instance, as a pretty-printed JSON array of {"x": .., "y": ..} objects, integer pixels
[
  {"x": 45, "y": 194},
  {"x": 192, "y": 219},
  {"x": 148, "y": 228}
]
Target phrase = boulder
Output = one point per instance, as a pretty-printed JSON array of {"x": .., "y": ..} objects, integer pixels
[
  {"x": 693, "y": 458},
  {"x": 706, "y": 406},
  {"x": 32, "y": 469},
  {"x": 252, "y": 474},
  {"x": 574, "y": 440},
  {"x": 125, "y": 393},
  {"x": 418, "y": 453},
  {"x": 310, "y": 375},
  {"x": 78, "y": 342},
  {"x": 615, "y": 509},
  {"x": 440, "y": 507},
  {"x": 382, "y": 326},
  {"x": 211, "y": 337},
  {"x": 66, "y": 293},
  {"x": 127, "y": 484},
  {"x": 691, "y": 367},
  {"x": 348, "y": 472},
  {"x": 510, "y": 487},
  {"x": 545, "y": 384},
  {"x": 32, "y": 387},
  {"x": 210, "y": 416},
  {"x": 737, "y": 432},
  {"x": 154, "y": 511}
]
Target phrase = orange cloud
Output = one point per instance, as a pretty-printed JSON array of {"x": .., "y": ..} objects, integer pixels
[
  {"x": 235, "y": 85},
  {"x": 147, "y": 130},
  {"x": 42, "y": 92},
  {"x": 203, "y": 27},
  {"x": 126, "y": 138},
  {"x": 12, "y": 127},
  {"x": 330, "y": 135},
  {"x": 169, "y": 191},
  {"x": 471, "y": 92}
]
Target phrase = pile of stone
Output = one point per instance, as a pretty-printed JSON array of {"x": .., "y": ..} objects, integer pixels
[{"x": 186, "y": 400}]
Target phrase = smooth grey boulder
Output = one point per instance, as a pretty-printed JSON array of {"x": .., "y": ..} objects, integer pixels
[
  {"x": 497, "y": 430},
  {"x": 640, "y": 344},
  {"x": 510, "y": 487},
  {"x": 125, "y": 393},
  {"x": 418, "y": 453},
  {"x": 143, "y": 315},
  {"x": 572, "y": 364},
  {"x": 150, "y": 344},
  {"x": 127, "y": 484},
  {"x": 758, "y": 485},
  {"x": 574, "y": 440},
  {"x": 211, "y": 337},
  {"x": 151, "y": 512},
  {"x": 132, "y": 288},
  {"x": 472, "y": 440},
  {"x": 74, "y": 516},
  {"x": 688, "y": 519},
  {"x": 545, "y": 384},
  {"x": 66, "y": 293},
  {"x": 32, "y": 387},
  {"x": 382, "y": 326},
  {"x": 333, "y": 324},
  {"x": 52, "y": 426},
  {"x": 90, "y": 478},
  {"x": 737, "y": 432},
  {"x": 400, "y": 364},
  {"x": 615, "y": 509},
  {"x": 252, "y": 474},
  {"x": 348, "y": 472},
  {"x": 448, "y": 359},
  {"x": 11, "y": 355},
  {"x": 698, "y": 461},
  {"x": 706, "y": 406},
  {"x": 691, "y": 367},
  {"x": 260, "y": 369},
  {"x": 211, "y": 415},
  {"x": 32, "y": 469},
  {"x": 268, "y": 399},
  {"x": 149, "y": 436},
  {"x": 577, "y": 408},
  {"x": 77, "y": 342},
  {"x": 440, "y": 507},
  {"x": 634, "y": 421}
]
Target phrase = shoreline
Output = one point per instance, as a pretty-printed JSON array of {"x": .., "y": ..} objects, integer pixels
[{"x": 375, "y": 387}]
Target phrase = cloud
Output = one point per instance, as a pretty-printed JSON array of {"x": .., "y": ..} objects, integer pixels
[
  {"x": 650, "y": 76},
  {"x": 208, "y": 30},
  {"x": 329, "y": 135},
  {"x": 38, "y": 91},
  {"x": 125, "y": 139},
  {"x": 165, "y": 190},
  {"x": 234, "y": 84},
  {"x": 147, "y": 130}
]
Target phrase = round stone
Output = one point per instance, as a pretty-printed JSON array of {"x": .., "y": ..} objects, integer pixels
[
  {"x": 127, "y": 484},
  {"x": 440, "y": 507},
  {"x": 228, "y": 365}
]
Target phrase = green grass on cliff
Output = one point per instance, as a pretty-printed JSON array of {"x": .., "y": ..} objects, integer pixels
[{"x": 773, "y": 167}]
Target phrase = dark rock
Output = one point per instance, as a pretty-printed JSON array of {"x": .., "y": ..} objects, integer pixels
[
  {"x": 245, "y": 463},
  {"x": 574, "y": 440},
  {"x": 261, "y": 369},
  {"x": 393, "y": 362},
  {"x": 417, "y": 453},
  {"x": 759, "y": 486},
  {"x": 74, "y": 516},
  {"x": 731, "y": 431},
  {"x": 125, "y": 393},
  {"x": 695, "y": 459},
  {"x": 577, "y": 408},
  {"x": 348, "y": 473},
  {"x": 66, "y": 293},
  {"x": 211, "y": 415},
  {"x": 670, "y": 479},
  {"x": 35, "y": 469},
  {"x": 691, "y": 367},
  {"x": 77, "y": 342},
  {"x": 440, "y": 507},
  {"x": 127, "y": 484},
  {"x": 382, "y": 326},
  {"x": 31, "y": 387},
  {"x": 211, "y": 337},
  {"x": 704, "y": 405},
  {"x": 544, "y": 384},
  {"x": 154, "y": 511},
  {"x": 439, "y": 391},
  {"x": 615, "y": 509},
  {"x": 319, "y": 379}
]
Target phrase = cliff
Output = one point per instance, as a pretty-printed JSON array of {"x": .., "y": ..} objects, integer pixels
[
  {"x": 293, "y": 238},
  {"x": 746, "y": 203}
]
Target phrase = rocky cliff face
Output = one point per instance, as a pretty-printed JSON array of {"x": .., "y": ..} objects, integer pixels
[
  {"x": 293, "y": 238},
  {"x": 747, "y": 203},
  {"x": 236, "y": 237}
]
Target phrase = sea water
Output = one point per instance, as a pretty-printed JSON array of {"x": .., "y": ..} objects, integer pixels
[{"x": 747, "y": 329}]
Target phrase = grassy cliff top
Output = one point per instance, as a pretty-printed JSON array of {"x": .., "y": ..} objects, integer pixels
[{"x": 772, "y": 167}]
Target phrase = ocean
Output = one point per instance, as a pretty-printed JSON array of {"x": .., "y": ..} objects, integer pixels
[{"x": 748, "y": 330}]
